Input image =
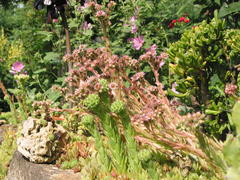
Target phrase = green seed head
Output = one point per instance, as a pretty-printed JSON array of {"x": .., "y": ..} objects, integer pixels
[
  {"x": 43, "y": 122},
  {"x": 91, "y": 101},
  {"x": 104, "y": 85},
  {"x": 51, "y": 137},
  {"x": 144, "y": 155},
  {"x": 117, "y": 107},
  {"x": 87, "y": 120}
]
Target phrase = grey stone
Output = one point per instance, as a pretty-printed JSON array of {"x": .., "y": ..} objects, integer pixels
[{"x": 21, "y": 169}]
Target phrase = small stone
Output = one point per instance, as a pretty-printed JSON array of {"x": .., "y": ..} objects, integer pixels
[{"x": 41, "y": 144}]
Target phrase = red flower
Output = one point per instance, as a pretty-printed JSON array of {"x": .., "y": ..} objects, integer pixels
[
  {"x": 171, "y": 25},
  {"x": 186, "y": 20},
  {"x": 181, "y": 19}
]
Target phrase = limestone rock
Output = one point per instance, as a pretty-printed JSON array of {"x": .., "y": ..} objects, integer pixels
[
  {"x": 41, "y": 141},
  {"x": 22, "y": 169}
]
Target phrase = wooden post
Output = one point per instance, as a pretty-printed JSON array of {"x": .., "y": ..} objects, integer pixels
[{"x": 68, "y": 45}]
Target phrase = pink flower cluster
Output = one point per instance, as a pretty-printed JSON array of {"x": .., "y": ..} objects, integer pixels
[
  {"x": 230, "y": 89},
  {"x": 101, "y": 13},
  {"x": 151, "y": 57},
  {"x": 151, "y": 112},
  {"x": 134, "y": 27},
  {"x": 138, "y": 42},
  {"x": 180, "y": 20},
  {"x": 86, "y": 26},
  {"x": 17, "y": 67}
]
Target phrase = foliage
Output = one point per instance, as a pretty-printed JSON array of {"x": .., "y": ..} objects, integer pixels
[
  {"x": 147, "y": 106},
  {"x": 203, "y": 65},
  {"x": 231, "y": 147},
  {"x": 7, "y": 148},
  {"x": 229, "y": 10},
  {"x": 39, "y": 53},
  {"x": 121, "y": 120},
  {"x": 129, "y": 20}
]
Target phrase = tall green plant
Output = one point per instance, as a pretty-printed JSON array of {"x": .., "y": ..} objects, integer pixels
[
  {"x": 203, "y": 65},
  {"x": 231, "y": 149}
]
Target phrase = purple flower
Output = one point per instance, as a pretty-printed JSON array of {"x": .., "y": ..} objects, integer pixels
[
  {"x": 55, "y": 20},
  {"x": 17, "y": 67},
  {"x": 133, "y": 19},
  {"x": 152, "y": 49},
  {"x": 174, "y": 85},
  {"x": 137, "y": 76},
  {"x": 161, "y": 63},
  {"x": 134, "y": 29},
  {"x": 138, "y": 42},
  {"x": 163, "y": 55},
  {"x": 230, "y": 89},
  {"x": 100, "y": 13},
  {"x": 86, "y": 26},
  {"x": 86, "y": 5}
]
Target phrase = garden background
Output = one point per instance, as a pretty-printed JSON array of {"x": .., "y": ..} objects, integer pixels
[{"x": 152, "y": 91}]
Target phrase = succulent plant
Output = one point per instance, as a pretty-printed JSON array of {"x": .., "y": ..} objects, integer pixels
[
  {"x": 91, "y": 101},
  {"x": 117, "y": 106}
]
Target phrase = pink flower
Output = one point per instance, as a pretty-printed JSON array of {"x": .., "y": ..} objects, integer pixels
[
  {"x": 134, "y": 29},
  {"x": 181, "y": 19},
  {"x": 55, "y": 20},
  {"x": 133, "y": 19},
  {"x": 100, "y": 13},
  {"x": 111, "y": 4},
  {"x": 163, "y": 55},
  {"x": 17, "y": 67},
  {"x": 230, "y": 89},
  {"x": 86, "y": 5},
  {"x": 86, "y": 26},
  {"x": 174, "y": 85},
  {"x": 152, "y": 49},
  {"x": 137, "y": 76},
  {"x": 173, "y": 21},
  {"x": 113, "y": 85},
  {"x": 138, "y": 42},
  {"x": 161, "y": 63}
]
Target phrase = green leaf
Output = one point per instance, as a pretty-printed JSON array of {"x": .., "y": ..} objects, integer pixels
[
  {"x": 52, "y": 95},
  {"x": 231, "y": 8},
  {"x": 212, "y": 112},
  {"x": 40, "y": 71},
  {"x": 171, "y": 93},
  {"x": 147, "y": 69},
  {"x": 51, "y": 56},
  {"x": 236, "y": 116},
  {"x": 217, "y": 2}
]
